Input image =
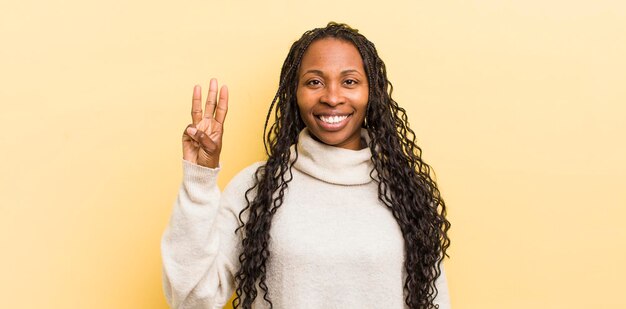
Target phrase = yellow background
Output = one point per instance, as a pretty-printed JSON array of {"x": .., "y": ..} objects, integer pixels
[{"x": 518, "y": 105}]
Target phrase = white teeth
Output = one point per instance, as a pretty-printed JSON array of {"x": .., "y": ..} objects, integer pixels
[{"x": 333, "y": 119}]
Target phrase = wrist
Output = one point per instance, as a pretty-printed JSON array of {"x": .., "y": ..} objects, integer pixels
[{"x": 211, "y": 163}]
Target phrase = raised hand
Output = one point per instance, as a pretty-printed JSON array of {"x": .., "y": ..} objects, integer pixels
[{"x": 202, "y": 139}]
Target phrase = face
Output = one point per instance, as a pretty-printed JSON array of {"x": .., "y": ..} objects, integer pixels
[{"x": 332, "y": 92}]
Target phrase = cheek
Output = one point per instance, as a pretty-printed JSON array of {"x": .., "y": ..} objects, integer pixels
[
  {"x": 361, "y": 107},
  {"x": 360, "y": 96},
  {"x": 360, "y": 101},
  {"x": 304, "y": 102},
  {"x": 305, "y": 115},
  {"x": 304, "y": 112},
  {"x": 298, "y": 95}
]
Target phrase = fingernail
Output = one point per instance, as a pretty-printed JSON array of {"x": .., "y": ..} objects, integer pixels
[{"x": 192, "y": 131}]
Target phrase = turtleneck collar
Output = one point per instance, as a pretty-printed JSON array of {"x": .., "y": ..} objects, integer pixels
[{"x": 333, "y": 164}]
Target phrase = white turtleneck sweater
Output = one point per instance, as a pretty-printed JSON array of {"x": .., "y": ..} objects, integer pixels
[{"x": 333, "y": 243}]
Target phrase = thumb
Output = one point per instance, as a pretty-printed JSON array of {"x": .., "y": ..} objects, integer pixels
[{"x": 202, "y": 138}]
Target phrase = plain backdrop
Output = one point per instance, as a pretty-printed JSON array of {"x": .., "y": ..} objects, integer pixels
[{"x": 519, "y": 106}]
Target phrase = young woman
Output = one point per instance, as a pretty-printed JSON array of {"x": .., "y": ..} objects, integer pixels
[{"x": 344, "y": 212}]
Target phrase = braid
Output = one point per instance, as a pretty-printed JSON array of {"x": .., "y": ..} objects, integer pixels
[{"x": 404, "y": 182}]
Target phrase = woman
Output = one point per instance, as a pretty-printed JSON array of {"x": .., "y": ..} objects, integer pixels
[{"x": 343, "y": 214}]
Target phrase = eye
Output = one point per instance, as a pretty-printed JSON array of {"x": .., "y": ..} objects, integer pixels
[
  {"x": 351, "y": 82},
  {"x": 313, "y": 83}
]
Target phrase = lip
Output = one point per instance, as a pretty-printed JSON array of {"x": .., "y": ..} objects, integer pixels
[{"x": 333, "y": 127}]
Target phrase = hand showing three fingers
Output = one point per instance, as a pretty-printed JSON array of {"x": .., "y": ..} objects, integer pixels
[{"x": 202, "y": 140}]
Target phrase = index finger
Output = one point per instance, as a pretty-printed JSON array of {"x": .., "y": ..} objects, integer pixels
[
  {"x": 222, "y": 105},
  {"x": 196, "y": 105}
]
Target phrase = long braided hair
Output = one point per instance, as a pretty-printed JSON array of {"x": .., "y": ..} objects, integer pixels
[{"x": 404, "y": 180}]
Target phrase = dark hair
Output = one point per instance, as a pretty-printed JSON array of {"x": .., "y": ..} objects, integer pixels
[{"x": 405, "y": 185}]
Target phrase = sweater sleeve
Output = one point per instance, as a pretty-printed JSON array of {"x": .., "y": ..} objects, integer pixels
[
  {"x": 199, "y": 247},
  {"x": 443, "y": 295}
]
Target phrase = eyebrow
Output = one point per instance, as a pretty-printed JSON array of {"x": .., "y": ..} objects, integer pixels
[{"x": 344, "y": 72}]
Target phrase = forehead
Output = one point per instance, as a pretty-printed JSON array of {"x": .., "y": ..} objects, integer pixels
[{"x": 331, "y": 54}]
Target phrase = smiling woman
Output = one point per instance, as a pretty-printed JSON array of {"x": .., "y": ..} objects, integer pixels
[{"x": 344, "y": 212}]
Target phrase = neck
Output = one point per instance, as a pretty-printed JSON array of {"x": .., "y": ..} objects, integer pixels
[{"x": 332, "y": 164}]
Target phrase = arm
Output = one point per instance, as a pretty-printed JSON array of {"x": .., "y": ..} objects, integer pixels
[
  {"x": 198, "y": 250},
  {"x": 198, "y": 245}
]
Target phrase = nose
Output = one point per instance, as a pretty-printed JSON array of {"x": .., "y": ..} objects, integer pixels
[{"x": 332, "y": 95}]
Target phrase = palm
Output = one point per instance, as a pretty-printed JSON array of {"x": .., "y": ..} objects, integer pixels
[
  {"x": 202, "y": 140},
  {"x": 192, "y": 150}
]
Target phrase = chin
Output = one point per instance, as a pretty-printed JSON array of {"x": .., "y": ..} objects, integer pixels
[
  {"x": 336, "y": 139},
  {"x": 331, "y": 140}
]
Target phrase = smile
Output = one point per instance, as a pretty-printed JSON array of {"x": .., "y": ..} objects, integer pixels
[
  {"x": 333, "y": 119},
  {"x": 333, "y": 123}
]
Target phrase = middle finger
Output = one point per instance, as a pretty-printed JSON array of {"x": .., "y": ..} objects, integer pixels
[{"x": 211, "y": 99}]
